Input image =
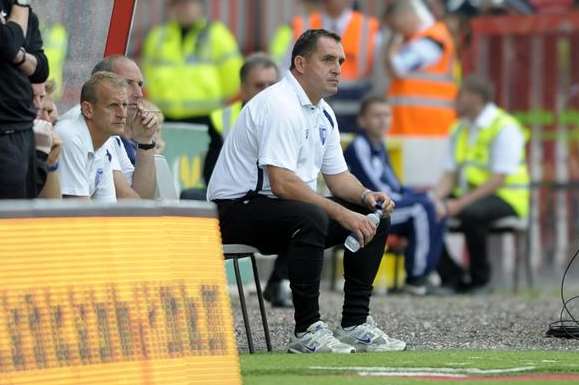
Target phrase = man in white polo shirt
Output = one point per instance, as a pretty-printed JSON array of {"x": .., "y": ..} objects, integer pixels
[
  {"x": 85, "y": 170},
  {"x": 264, "y": 184}
]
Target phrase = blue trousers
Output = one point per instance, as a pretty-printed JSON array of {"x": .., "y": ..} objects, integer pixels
[{"x": 415, "y": 219}]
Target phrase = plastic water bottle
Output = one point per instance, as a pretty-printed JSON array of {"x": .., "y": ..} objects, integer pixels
[{"x": 351, "y": 242}]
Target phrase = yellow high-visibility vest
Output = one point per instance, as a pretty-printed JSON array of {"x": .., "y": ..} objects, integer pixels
[
  {"x": 473, "y": 160},
  {"x": 193, "y": 75},
  {"x": 223, "y": 119}
]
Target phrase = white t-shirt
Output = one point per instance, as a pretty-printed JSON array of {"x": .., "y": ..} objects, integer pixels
[
  {"x": 278, "y": 127},
  {"x": 119, "y": 159},
  {"x": 83, "y": 171},
  {"x": 507, "y": 148}
]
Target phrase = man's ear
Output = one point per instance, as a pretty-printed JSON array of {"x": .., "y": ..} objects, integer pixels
[
  {"x": 299, "y": 63},
  {"x": 86, "y": 109}
]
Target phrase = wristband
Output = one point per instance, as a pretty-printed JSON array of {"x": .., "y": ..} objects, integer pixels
[{"x": 52, "y": 168}]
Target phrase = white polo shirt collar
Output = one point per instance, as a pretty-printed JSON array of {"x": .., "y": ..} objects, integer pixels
[{"x": 301, "y": 94}]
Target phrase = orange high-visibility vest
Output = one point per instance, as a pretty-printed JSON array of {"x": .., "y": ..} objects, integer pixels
[
  {"x": 358, "y": 40},
  {"x": 423, "y": 101}
]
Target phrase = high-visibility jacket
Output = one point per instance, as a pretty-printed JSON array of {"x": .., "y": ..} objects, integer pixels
[
  {"x": 223, "y": 119},
  {"x": 423, "y": 101},
  {"x": 473, "y": 161},
  {"x": 55, "y": 44},
  {"x": 193, "y": 75},
  {"x": 281, "y": 45},
  {"x": 359, "y": 42}
]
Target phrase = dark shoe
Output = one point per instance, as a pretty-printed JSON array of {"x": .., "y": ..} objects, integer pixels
[
  {"x": 474, "y": 289},
  {"x": 278, "y": 294}
]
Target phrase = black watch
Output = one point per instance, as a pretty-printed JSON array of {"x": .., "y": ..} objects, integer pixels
[{"x": 144, "y": 146}]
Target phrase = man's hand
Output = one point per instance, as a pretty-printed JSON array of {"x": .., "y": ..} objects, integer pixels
[
  {"x": 453, "y": 207},
  {"x": 360, "y": 225},
  {"x": 374, "y": 198},
  {"x": 42, "y": 135},
  {"x": 143, "y": 125},
  {"x": 54, "y": 153}
]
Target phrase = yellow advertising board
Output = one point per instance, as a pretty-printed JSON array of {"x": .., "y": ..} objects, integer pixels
[{"x": 114, "y": 300}]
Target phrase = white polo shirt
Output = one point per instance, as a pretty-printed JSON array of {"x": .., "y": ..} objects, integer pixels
[
  {"x": 118, "y": 155},
  {"x": 84, "y": 172},
  {"x": 279, "y": 127}
]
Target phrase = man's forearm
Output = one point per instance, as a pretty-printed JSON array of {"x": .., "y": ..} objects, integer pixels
[
  {"x": 483, "y": 190},
  {"x": 287, "y": 185},
  {"x": 144, "y": 177},
  {"x": 28, "y": 67},
  {"x": 19, "y": 15},
  {"x": 51, "y": 189},
  {"x": 445, "y": 185},
  {"x": 345, "y": 186}
]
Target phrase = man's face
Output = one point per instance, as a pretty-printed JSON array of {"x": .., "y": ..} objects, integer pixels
[
  {"x": 109, "y": 113},
  {"x": 322, "y": 68},
  {"x": 466, "y": 103},
  {"x": 128, "y": 70},
  {"x": 38, "y": 96},
  {"x": 376, "y": 120},
  {"x": 187, "y": 12},
  {"x": 258, "y": 79},
  {"x": 50, "y": 111}
]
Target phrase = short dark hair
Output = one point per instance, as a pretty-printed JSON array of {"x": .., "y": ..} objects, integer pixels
[
  {"x": 479, "y": 86},
  {"x": 308, "y": 42},
  {"x": 369, "y": 102},
  {"x": 257, "y": 59},
  {"x": 89, "y": 88}
]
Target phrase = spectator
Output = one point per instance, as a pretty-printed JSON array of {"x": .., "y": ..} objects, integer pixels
[
  {"x": 359, "y": 34},
  {"x": 85, "y": 168},
  {"x": 487, "y": 174},
  {"x": 280, "y": 47},
  {"x": 43, "y": 127},
  {"x": 191, "y": 64},
  {"x": 55, "y": 38},
  {"x": 22, "y": 61},
  {"x": 415, "y": 217},
  {"x": 49, "y": 106},
  {"x": 282, "y": 139},
  {"x": 131, "y": 154},
  {"x": 419, "y": 59}
]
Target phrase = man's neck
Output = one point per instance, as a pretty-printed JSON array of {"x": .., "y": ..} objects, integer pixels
[
  {"x": 98, "y": 139},
  {"x": 375, "y": 139},
  {"x": 314, "y": 97},
  {"x": 475, "y": 113}
]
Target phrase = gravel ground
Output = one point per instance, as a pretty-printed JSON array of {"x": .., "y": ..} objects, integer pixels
[{"x": 498, "y": 321}]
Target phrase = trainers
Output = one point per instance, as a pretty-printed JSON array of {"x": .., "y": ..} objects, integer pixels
[
  {"x": 367, "y": 337},
  {"x": 417, "y": 290},
  {"x": 318, "y": 339}
]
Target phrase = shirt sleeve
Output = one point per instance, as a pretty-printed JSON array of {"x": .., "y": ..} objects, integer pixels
[
  {"x": 416, "y": 55},
  {"x": 73, "y": 169},
  {"x": 333, "y": 162},
  {"x": 507, "y": 151},
  {"x": 34, "y": 47},
  {"x": 279, "y": 138}
]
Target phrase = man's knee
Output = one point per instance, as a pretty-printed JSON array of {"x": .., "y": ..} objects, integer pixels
[{"x": 313, "y": 218}]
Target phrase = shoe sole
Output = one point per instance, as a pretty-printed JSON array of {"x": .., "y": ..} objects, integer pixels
[{"x": 294, "y": 351}]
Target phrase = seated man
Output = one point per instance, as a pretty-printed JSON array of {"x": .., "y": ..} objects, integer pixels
[
  {"x": 487, "y": 174},
  {"x": 415, "y": 216},
  {"x": 85, "y": 170},
  {"x": 131, "y": 153},
  {"x": 264, "y": 185}
]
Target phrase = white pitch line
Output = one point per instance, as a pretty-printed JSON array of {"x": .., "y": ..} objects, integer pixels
[
  {"x": 411, "y": 374},
  {"x": 464, "y": 371}
]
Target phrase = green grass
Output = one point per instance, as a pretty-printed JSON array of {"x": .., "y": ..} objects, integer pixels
[{"x": 282, "y": 369}]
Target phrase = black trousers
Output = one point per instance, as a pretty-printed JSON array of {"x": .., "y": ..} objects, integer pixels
[
  {"x": 475, "y": 221},
  {"x": 303, "y": 231},
  {"x": 19, "y": 176}
]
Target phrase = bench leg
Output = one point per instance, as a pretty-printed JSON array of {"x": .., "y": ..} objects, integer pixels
[
  {"x": 526, "y": 246},
  {"x": 261, "y": 304},
  {"x": 518, "y": 254},
  {"x": 243, "y": 305}
]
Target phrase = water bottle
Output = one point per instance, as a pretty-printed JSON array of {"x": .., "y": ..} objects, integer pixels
[{"x": 351, "y": 242}]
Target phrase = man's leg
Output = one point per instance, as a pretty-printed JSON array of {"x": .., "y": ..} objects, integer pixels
[
  {"x": 475, "y": 220},
  {"x": 15, "y": 177},
  {"x": 277, "y": 290},
  {"x": 360, "y": 268},
  {"x": 273, "y": 225}
]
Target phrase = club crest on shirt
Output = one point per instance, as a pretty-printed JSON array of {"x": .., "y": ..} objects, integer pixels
[
  {"x": 324, "y": 133},
  {"x": 99, "y": 176}
]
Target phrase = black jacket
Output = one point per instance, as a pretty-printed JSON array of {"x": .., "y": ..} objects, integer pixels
[{"x": 16, "y": 108}]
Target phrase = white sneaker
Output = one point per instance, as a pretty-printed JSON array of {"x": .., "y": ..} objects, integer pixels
[
  {"x": 318, "y": 339},
  {"x": 367, "y": 337}
]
